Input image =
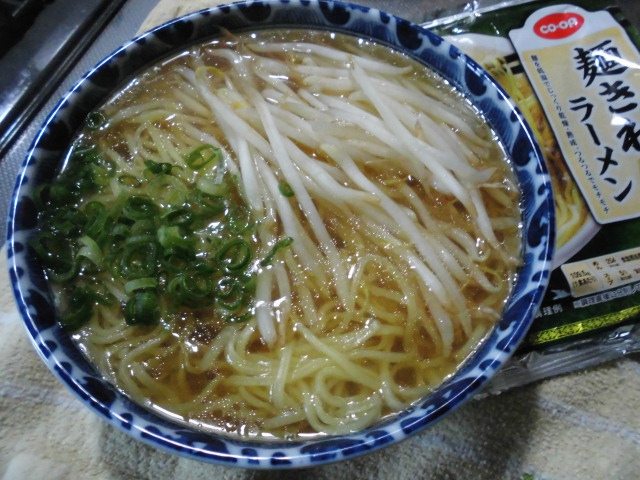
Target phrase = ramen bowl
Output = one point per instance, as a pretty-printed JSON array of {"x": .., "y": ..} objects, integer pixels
[{"x": 44, "y": 159}]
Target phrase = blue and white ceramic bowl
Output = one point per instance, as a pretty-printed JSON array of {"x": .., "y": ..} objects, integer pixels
[{"x": 66, "y": 362}]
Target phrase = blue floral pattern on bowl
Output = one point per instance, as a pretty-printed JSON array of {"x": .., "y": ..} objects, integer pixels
[{"x": 41, "y": 164}]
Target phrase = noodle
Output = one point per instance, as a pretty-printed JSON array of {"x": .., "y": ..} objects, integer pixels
[{"x": 376, "y": 222}]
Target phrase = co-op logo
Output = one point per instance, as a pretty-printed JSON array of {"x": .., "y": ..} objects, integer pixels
[{"x": 558, "y": 25}]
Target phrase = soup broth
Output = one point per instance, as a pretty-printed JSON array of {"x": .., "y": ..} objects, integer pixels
[{"x": 282, "y": 234}]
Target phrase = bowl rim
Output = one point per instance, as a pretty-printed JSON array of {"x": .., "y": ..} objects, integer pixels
[{"x": 145, "y": 426}]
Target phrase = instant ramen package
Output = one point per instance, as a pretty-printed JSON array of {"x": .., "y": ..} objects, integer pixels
[{"x": 574, "y": 71}]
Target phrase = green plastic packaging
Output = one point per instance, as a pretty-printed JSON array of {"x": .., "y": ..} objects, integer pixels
[{"x": 573, "y": 69}]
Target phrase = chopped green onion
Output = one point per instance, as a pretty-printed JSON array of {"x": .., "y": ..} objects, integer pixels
[
  {"x": 142, "y": 309},
  {"x": 180, "y": 217},
  {"x": 234, "y": 255},
  {"x": 142, "y": 239},
  {"x": 56, "y": 255},
  {"x": 168, "y": 190},
  {"x": 86, "y": 182},
  {"x": 97, "y": 219},
  {"x": 54, "y": 196},
  {"x": 191, "y": 289},
  {"x": 120, "y": 230},
  {"x": 227, "y": 286},
  {"x": 175, "y": 260},
  {"x": 60, "y": 195},
  {"x": 285, "y": 189},
  {"x": 139, "y": 260},
  {"x": 41, "y": 196},
  {"x": 84, "y": 152},
  {"x": 250, "y": 283},
  {"x": 202, "y": 156},
  {"x": 201, "y": 267},
  {"x": 69, "y": 222},
  {"x": 63, "y": 272},
  {"x": 285, "y": 242},
  {"x": 90, "y": 250},
  {"x": 106, "y": 166},
  {"x": 78, "y": 311},
  {"x": 101, "y": 294},
  {"x": 211, "y": 187},
  {"x": 171, "y": 236},
  {"x": 158, "y": 167},
  {"x": 94, "y": 208},
  {"x": 129, "y": 181},
  {"x": 198, "y": 285},
  {"x": 233, "y": 303},
  {"x": 232, "y": 294},
  {"x": 140, "y": 284},
  {"x": 239, "y": 220},
  {"x": 95, "y": 120},
  {"x": 139, "y": 207},
  {"x": 208, "y": 205}
]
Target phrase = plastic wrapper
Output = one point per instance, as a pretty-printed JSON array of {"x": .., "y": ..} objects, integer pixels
[{"x": 573, "y": 69}]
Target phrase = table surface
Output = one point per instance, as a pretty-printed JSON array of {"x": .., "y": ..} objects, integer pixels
[{"x": 579, "y": 426}]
